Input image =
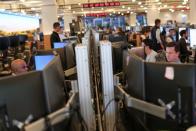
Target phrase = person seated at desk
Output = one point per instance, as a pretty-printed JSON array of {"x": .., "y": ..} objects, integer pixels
[
  {"x": 184, "y": 52},
  {"x": 173, "y": 52},
  {"x": 171, "y": 36},
  {"x": 150, "y": 53},
  {"x": 18, "y": 66}
]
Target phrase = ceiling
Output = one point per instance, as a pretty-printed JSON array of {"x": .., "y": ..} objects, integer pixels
[{"x": 33, "y": 7}]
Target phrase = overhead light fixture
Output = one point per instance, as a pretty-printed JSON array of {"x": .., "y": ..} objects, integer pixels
[
  {"x": 131, "y": 12},
  {"x": 82, "y": 9},
  {"x": 69, "y": 7},
  {"x": 123, "y": 6},
  {"x": 133, "y": 0},
  {"x": 118, "y": 12},
  {"x": 182, "y": 10},
  {"x": 141, "y": 6},
  {"x": 122, "y": 13},
  {"x": 165, "y": 6},
  {"x": 157, "y": 0},
  {"x": 128, "y": 12},
  {"x": 79, "y": 3},
  {"x": 129, "y": 8},
  {"x": 101, "y": 8},
  {"x": 74, "y": 12},
  {"x": 139, "y": 3},
  {"x": 22, "y": 0},
  {"x": 37, "y": 14},
  {"x": 159, "y": 3},
  {"x": 146, "y": 11}
]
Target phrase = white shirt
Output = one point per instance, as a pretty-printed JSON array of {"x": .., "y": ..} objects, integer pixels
[
  {"x": 158, "y": 37},
  {"x": 151, "y": 56}
]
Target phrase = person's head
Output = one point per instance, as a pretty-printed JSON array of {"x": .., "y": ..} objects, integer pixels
[
  {"x": 56, "y": 27},
  {"x": 157, "y": 22},
  {"x": 19, "y": 66},
  {"x": 183, "y": 33},
  {"x": 172, "y": 32},
  {"x": 148, "y": 46},
  {"x": 172, "y": 52}
]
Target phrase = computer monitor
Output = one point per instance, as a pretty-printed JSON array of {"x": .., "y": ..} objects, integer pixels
[
  {"x": 14, "y": 41},
  {"x": 53, "y": 77},
  {"x": 59, "y": 44},
  {"x": 193, "y": 38},
  {"x": 23, "y": 39},
  {"x": 135, "y": 76},
  {"x": 171, "y": 82},
  {"x": 67, "y": 55},
  {"x": 4, "y": 43},
  {"x": 42, "y": 60},
  {"x": 117, "y": 56},
  {"x": 23, "y": 95}
]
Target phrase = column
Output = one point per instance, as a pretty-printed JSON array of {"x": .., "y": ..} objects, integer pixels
[
  {"x": 192, "y": 11},
  {"x": 49, "y": 15},
  {"x": 68, "y": 17},
  {"x": 152, "y": 14},
  {"x": 133, "y": 19}
]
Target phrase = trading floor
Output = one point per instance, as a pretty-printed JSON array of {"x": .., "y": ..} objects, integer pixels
[{"x": 97, "y": 65}]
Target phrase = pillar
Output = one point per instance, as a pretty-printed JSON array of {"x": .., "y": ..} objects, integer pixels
[
  {"x": 133, "y": 19},
  {"x": 152, "y": 14},
  {"x": 49, "y": 15},
  {"x": 192, "y": 11}
]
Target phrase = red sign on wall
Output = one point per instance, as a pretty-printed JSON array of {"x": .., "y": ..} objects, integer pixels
[
  {"x": 96, "y": 14},
  {"x": 89, "y": 5}
]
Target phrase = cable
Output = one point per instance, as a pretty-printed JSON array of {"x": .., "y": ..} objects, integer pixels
[
  {"x": 107, "y": 105},
  {"x": 82, "y": 120}
]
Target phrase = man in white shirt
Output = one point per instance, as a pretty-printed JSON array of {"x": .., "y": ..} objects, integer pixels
[
  {"x": 155, "y": 36},
  {"x": 150, "y": 53}
]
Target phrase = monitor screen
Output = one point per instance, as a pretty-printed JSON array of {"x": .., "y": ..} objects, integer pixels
[
  {"x": 42, "y": 60},
  {"x": 20, "y": 100},
  {"x": 4, "y": 43},
  {"x": 192, "y": 37},
  {"x": 59, "y": 44},
  {"x": 14, "y": 41}
]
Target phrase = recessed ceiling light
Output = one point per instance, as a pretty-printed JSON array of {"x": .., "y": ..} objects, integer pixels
[
  {"x": 139, "y": 3},
  {"x": 129, "y": 8},
  {"x": 123, "y": 6}
]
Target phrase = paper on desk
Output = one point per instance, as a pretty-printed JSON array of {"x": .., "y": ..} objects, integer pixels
[{"x": 169, "y": 73}]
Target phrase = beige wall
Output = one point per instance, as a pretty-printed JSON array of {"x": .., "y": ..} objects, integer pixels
[{"x": 178, "y": 16}]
